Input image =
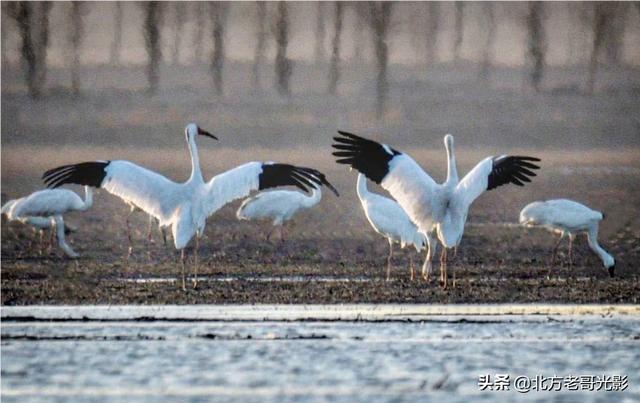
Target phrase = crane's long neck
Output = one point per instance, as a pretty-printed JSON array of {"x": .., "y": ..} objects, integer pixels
[
  {"x": 196, "y": 173},
  {"x": 592, "y": 238},
  {"x": 88, "y": 198},
  {"x": 361, "y": 187},
  {"x": 452, "y": 170},
  {"x": 314, "y": 198}
]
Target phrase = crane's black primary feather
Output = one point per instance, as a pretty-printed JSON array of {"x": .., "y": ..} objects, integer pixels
[
  {"x": 367, "y": 156},
  {"x": 85, "y": 173},
  {"x": 274, "y": 175},
  {"x": 511, "y": 169}
]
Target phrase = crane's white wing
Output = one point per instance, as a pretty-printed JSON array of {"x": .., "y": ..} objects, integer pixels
[
  {"x": 240, "y": 181},
  {"x": 151, "y": 192},
  {"x": 397, "y": 172},
  {"x": 492, "y": 172}
]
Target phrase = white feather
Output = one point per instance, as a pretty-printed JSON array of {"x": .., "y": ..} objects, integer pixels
[{"x": 277, "y": 205}]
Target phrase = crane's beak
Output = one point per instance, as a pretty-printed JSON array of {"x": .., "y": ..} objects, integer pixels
[
  {"x": 206, "y": 133},
  {"x": 612, "y": 271}
]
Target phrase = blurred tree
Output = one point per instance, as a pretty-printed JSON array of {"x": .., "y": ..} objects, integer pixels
[
  {"x": 179, "y": 19},
  {"x": 320, "y": 33},
  {"x": 198, "y": 37},
  {"x": 614, "y": 34},
  {"x": 459, "y": 30},
  {"x": 116, "y": 43},
  {"x": 433, "y": 24},
  {"x": 76, "y": 32},
  {"x": 361, "y": 15},
  {"x": 32, "y": 19},
  {"x": 261, "y": 41},
  {"x": 152, "y": 22},
  {"x": 490, "y": 38},
  {"x": 379, "y": 19},
  {"x": 603, "y": 17},
  {"x": 536, "y": 43},
  {"x": 283, "y": 65},
  {"x": 3, "y": 36},
  {"x": 219, "y": 20},
  {"x": 334, "y": 68}
]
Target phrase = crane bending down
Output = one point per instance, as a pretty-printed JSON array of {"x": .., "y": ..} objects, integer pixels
[
  {"x": 429, "y": 204},
  {"x": 568, "y": 217},
  {"x": 44, "y": 209},
  {"x": 183, "y": 206},
  {"x": 279, "y": 205},
  {"x": 389, "y": 220}
]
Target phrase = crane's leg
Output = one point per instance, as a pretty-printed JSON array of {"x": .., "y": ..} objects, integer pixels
[
  {"x": 555, "y": 250},
  {"x": 128, "y": 222},
  {"x": 150, "y": 230},
  {"x": 455, "y": 252},
  {"x": 195, "y": 260},
  {"x": 412, "y": 268},
  {"x": 59, "y": 228},
  {"x": 427, "y": 267},
  {"x": 571, "y": 238},
  {"x": 443, "y": 268},
  {"x": 41, "y": 242},
  {"x": 182, "y": 259},
  {"x": 52, "y": 233},
  {"x": 453, "y": 269},
  {"x": 163, "y": 231},
  {"x": 389, "y": 259}
]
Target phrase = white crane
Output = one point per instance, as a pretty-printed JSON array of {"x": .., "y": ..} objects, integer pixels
[
  {"x": 279, "y": 205},
  {"x": 568, "y": 217},
  {"x": 44, "y": 209},
  {"x": 182, "y": 206},
  {"x": 429, "y": 204},
  {"x": 389, "y": 220}
]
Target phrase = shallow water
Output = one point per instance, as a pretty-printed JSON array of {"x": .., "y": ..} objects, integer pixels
[{"x": 163, "y": 357}]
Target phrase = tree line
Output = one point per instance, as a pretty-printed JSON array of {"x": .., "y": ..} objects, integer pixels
[{"x": 272, "y": 21}]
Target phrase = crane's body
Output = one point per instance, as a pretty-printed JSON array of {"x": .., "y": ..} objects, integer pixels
[
  {"x": 183, "y": 206},
  {"x": 568, "y": 217},
  {"x": 279, "y": 206},
  {"x": 44, "y": 209},
  {"x": 389, "y": 220},
  {"x": 429, "y": 205}
]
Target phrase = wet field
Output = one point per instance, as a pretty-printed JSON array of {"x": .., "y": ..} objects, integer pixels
[{"x": 317, "y": 353}]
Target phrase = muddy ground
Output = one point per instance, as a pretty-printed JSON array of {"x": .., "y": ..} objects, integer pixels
[{"x": 588, "y": 146}]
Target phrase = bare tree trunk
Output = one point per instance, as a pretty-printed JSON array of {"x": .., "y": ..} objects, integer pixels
[
  {"x": 22, "y": 12},
  {"x": 459, "y": 30},
  {"x": 433, "y": 24},
  {"x": 179, "y": 20},
  {"x": 536, "y": 44},
  {"x": 33, "y": 24},
  {"x": 284, "y": 66},
  {"x": 379, "y": 18},
  {"x": 358, "y": 36},
  {"x": 218, "y": 20},
  {"x": 42, "y": 41},
  {"x": 3, "y": 36},
  {"x": 320, "y": 33},
  {"x": 334, "y": 69},
  {"x": 261, "y": 41},
  {"x": 75, "y": 39},
  {"x": 116, "y": 44},
  {"x": 487, "y": 53},
  {"x": 153, "y": 15},
  {"x": 614, "y": 34},
  {"x": 602, "y": 18},
  {"x": 198, "y": 38}
]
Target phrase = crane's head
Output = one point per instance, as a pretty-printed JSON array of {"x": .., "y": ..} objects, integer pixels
[
  {"x": 448, "y": 141},
  {"x": 192, "y": 130}
]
